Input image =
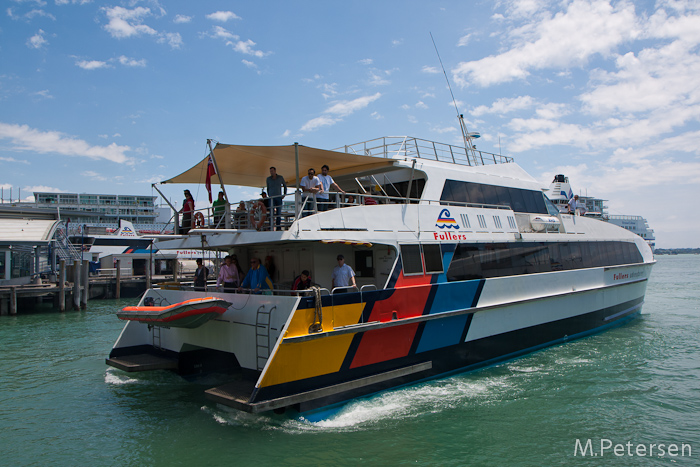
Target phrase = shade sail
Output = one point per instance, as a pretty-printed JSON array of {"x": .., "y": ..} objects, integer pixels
[{"x": 250, "y": 165}]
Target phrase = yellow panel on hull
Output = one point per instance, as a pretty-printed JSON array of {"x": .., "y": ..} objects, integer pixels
[
  {"x": 339, "y": 315},
  {"x": 306, "y": 359}
]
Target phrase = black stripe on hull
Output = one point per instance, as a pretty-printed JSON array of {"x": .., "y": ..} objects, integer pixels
[{"x": 465, "y": 356}]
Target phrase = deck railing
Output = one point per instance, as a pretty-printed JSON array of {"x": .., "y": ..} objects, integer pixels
[{"x": 393, "y": 147}]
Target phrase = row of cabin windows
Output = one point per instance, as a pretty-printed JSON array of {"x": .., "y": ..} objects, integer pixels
[
  {"x": 518, "y": 199},
  {"x": 484, "y": 260}
]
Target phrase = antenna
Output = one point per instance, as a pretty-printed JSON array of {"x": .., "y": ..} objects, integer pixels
[{"x": 465, "y": 133}]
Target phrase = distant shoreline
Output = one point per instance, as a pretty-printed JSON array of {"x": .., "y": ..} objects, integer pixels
[{"x": 677, "y": 251}]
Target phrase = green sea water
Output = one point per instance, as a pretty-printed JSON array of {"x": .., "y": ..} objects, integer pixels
[{"x": 640, "y": 384}]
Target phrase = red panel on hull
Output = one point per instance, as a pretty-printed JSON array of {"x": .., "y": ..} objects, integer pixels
[{"x": 384, "y": 344}]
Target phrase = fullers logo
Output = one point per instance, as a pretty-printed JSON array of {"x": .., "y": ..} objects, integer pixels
[{"x": 445, "y": 221}]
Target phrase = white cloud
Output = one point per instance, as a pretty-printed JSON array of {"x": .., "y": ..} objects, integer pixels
[
  {"x": 126, "y": 61},
  {"x": 12, "y": 159},
  {"x": 222, "y": 16},
  {"x": 504, "y": 106},
  {"x": 568, "y": 38},
  {"x": 44, "y": 93},
  {"x": 24, "y": 138},
  {"x": 33, "y": 13},
  {"x": 464, "y": 40},
  {"x": 246, "y": 47},
  {"x": 421, "y": 105},
  {"x": 430, "y": 69},
  {"x": 223, "y": 33},
  {"x": 180, "y": 19},
  {"x": 174, "y": 39},
  {"x": 75, "y": 2},
  {"x": 366, "y": 61},
  {"x": 337, "y": 111},
  {"x": 94, "y": 176},
  {"x": 125, "y": 23},
  {"x": 92, "y": 64},
  {"x": 37, "y": 41}
]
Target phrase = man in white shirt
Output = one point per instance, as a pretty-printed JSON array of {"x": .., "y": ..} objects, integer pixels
[
  {"x": 573, "y": 205},
  {"x": 327, "y": 182},
  {"x": 310, "y": 186},
  {"x": 343, "y": 275}
]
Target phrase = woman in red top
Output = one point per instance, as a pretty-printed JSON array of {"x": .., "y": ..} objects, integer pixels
[{"x": 187, "y": 212}]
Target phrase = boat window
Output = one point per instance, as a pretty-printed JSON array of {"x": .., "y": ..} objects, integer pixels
[
  {"x": 551, "y": 208},
  {"x": 411, "y": 257},
  {"x": 433, "y": 258},
  {"x": 518, "y": 199},
  {"x": 480, "y": 261}
]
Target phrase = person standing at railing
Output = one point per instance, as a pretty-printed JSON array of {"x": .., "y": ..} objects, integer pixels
[
  {"x": 311, "y": 187},
  {"x": 219, "y": 209},
  {"x": 228, "y": 275},
  {"x": 327, "y": 182},
  {"x": 187, "y": 212},
  {"x": 277, "y": 190},
  {"x": 343, "y": 275},
  {"x": 200, "y": 276},
  {"x": 257, "y": 279}
]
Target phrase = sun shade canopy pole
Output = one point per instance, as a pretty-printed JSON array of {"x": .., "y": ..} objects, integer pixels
[
  {"x": 297, "y": 195},
  {"x": 223, "y": 188},
  {"x": 177, "y": 214}
]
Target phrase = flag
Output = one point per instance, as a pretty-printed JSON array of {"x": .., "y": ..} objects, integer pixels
[
  {"x": 571, "y": 194},
  {"x": 211, "y": 170}
]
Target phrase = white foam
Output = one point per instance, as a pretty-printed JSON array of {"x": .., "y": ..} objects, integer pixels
[{"x": 117, "y": 379}]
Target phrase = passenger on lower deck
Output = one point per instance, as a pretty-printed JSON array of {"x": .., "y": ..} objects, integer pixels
[
  {"x": 302, "y": 281},
  {"x": 257, "y": 279}
]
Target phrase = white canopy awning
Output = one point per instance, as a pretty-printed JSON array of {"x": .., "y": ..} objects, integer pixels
[
  {"x": 27, "y": 231},
  {"x": 250, "y": 165}
]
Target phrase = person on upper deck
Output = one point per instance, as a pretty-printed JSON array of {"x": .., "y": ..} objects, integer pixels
[
  {"x": 573, "y": 205},
  {"x": 187, "y": 212},
  {"x": 327, "y": 182},
  {"x": 219, "y": 209},
  {"x": 257, "y": 278},
  {"x": 310, "y": 186},
  {"x": 277, "y": 190}
]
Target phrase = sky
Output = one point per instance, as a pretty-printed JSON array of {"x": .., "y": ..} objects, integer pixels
[{"x": 112, "y": 96}]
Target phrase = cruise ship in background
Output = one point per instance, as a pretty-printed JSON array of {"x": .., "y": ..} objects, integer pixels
[{"x": 560, "y": 193}]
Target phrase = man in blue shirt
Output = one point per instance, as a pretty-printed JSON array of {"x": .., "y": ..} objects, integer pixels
[
  {"x": 257, "y": 278},
  {"x": 275, "y": 185}
]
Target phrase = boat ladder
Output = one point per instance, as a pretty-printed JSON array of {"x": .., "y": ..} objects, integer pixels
[
  {"x": 156, "y": 338},
  {"x": 262, "y": 335}
]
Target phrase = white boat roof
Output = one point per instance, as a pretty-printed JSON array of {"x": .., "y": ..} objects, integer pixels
[{"x": 30, "y": 231}]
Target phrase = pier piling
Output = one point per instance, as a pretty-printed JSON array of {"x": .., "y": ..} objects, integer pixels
[
  {"x": 85, "y": 274},
  {"x": 76, "y": 285},
  {"x": 119, "y": 279},
  {"x": 62, "y": 286},
  {"x": 13, "y": 300}
]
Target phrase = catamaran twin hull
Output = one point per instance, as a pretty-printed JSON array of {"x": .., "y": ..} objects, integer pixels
[{"x": 418, "y": 327}]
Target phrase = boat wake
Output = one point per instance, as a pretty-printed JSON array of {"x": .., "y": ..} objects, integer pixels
[
  {"x": 390, "y": 407},
  {"x": 118, "y": 378}
]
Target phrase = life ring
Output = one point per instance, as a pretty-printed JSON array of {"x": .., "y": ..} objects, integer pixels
[
  {"x": 198, "y": 220},
  {"x": 257, "y": 215}
]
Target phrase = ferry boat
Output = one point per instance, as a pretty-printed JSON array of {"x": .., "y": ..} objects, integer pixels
[
  {"x": 635, "y": 224},
  {"x": 461, "y": 261},
  {"x": 560, "y": 193}
]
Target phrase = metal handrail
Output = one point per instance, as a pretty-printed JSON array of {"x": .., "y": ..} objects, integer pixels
[{"x": 408, "y": 147}]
